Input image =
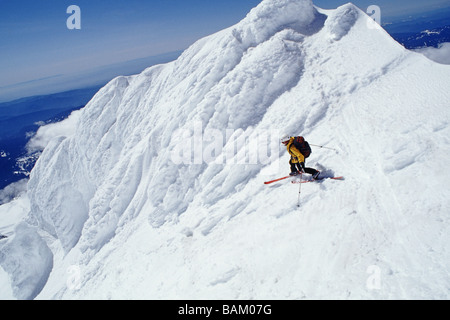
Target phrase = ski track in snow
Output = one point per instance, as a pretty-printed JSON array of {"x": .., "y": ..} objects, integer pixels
[{"x": 113, "y": 217}]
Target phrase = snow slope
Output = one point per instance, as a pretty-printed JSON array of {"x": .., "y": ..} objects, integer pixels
[{"x": 159, "y": 193}]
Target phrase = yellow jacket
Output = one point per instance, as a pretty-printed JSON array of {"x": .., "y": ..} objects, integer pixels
[{"x": 296, "y": 155}]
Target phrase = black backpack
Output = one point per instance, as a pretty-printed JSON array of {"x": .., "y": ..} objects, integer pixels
[{"x": 303, "y": 146}]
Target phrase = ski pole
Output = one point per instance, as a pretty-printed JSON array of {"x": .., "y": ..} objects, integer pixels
[
  {"x": 299, "y": 190},
  {"x": 315, "y": 145}
]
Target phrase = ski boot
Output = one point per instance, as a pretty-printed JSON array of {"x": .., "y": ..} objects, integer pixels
[{"x": 316, "y": 175}]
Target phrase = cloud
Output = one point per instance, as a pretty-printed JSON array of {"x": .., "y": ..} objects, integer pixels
[
  {"x": 37, "y": 144},
  {"x": 46, "y": 133},
  {"x": 13, "y": 190},
  {"x": 439, "y": 55}
]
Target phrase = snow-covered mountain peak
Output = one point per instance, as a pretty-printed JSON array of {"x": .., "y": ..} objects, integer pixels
[
  {"x": 270, "y": 17},
  {"x": 160, "y": 194}
]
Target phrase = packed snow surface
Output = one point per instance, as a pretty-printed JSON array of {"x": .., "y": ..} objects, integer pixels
[{"x": 158, "y": 192}]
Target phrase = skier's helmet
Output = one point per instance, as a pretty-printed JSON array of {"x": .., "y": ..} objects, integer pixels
[{"x": 285, "y": 139}]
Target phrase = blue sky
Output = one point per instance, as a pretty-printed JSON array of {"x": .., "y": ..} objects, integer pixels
[{"x": 39, "y": 55}]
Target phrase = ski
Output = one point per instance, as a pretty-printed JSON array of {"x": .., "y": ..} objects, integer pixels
[
  {"x": 276, "y": 180},
  {"x": 318, "y": 180}
]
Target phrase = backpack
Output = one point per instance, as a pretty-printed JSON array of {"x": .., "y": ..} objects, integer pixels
[{"x": 303, "y": 146}]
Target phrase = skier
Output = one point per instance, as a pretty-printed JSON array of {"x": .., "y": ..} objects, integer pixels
[{"x": 297, "y": 161}]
